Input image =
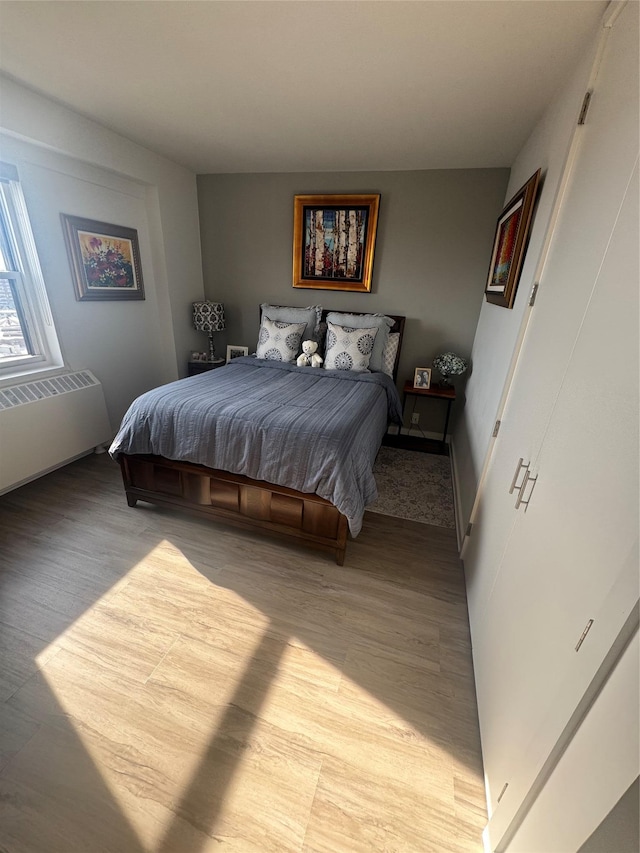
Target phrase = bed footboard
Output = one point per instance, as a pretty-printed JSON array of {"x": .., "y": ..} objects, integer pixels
[{"x": 237, "y": 500}]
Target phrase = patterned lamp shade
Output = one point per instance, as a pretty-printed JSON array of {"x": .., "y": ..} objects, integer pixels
[{"x": 208, "y": 316}]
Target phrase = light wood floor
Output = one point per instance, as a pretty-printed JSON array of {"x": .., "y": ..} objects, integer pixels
[{"x": 169, "y": 685}]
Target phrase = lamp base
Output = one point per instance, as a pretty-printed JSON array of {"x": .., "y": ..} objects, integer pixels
[{"x": 212, "y": 349}]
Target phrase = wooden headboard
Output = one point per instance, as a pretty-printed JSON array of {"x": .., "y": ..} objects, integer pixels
[{"x": 398, "y": 326}]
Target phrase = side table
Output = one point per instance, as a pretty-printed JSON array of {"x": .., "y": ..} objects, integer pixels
[
  {"x": 436, "y": 392},
  {"x": 195, "y": 367}
]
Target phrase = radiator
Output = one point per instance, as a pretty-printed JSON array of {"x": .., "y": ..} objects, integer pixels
[{"x": 45, "y": 423}]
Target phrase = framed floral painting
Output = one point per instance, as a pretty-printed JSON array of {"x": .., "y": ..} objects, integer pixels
[
  {"x": 104, "y": 259},
  {"x": 334, "y": 237},
  {"x": 509, "y": 245}
]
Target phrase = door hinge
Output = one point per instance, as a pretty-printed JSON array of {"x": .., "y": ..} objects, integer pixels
[
  {"x": 534, "y": 293},
  {"x": 585, "y": 108},
  {"x": 584, "y": 634},
  {"x": 496, "y": 428},
  {"x": 469, "y": 529},
  {"x": 504, "y": 788}
]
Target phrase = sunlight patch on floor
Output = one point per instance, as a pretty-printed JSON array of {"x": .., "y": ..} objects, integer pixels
[{"x": 147, "y": 676}]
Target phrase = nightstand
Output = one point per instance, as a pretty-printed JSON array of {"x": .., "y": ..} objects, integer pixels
[
  {"x": 436, "y": 392},
  {"x": 195, "y": 367}
]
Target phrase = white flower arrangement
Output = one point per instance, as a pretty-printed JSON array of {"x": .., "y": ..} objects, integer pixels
[{"x": 450, "y": 364}]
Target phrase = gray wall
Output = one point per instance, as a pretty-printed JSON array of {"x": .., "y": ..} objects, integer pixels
[
  {"x": 432, "y": 254},
  {"x": 619, "y": 832}
]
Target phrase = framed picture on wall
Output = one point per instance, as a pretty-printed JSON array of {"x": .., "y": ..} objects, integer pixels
[
  {"x": 334, "y": 238},
  {"x": 104, "y": 259},
  {"x": 509, "y": 245},
  {"x": 236, "y": 352}
]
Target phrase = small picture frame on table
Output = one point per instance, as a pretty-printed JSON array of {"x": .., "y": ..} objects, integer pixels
[
  {"x": 198, "y": 356},
  {"x": 236, "y": 352},
  {"x": 422, "y": 378}
]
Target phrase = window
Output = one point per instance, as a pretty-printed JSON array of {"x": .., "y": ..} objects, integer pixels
[{"x": 27, "y": 335}]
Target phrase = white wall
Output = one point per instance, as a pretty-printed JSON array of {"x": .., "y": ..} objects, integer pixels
[
  {"x": 498, "y": 328},
  {"x": 73, "y": 165},
  {"x": 121, "y": 342}
]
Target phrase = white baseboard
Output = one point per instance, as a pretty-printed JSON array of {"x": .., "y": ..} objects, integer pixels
[
  {"x": 416, "y": 432},
  {"x": 49, "y": 470},
  {"x": 457, "y": 507}
]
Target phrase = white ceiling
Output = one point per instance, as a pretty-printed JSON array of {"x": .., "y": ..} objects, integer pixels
[{"x": 304, "y": 86}]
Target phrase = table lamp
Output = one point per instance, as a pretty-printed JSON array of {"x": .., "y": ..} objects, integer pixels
[{"x": 209, "y": 317}]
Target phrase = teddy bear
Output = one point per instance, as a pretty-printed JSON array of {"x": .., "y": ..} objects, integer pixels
[{"x": 309, "y": 357}]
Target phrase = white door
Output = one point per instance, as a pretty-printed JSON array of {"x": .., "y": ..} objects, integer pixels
[
  {"x": 568, "y": 549},
  {"x": 575, "y": 802},
  {"x": 521, "y": 569},
  {"x": 605, "y": 161}
]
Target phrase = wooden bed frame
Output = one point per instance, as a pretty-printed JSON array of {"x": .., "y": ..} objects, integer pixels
[{"x": 238, "y": 500}]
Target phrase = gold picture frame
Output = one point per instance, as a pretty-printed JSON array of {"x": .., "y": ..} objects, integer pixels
[
  {"x": 509, "y": 245},
  {"x": 334, "y": 238}
]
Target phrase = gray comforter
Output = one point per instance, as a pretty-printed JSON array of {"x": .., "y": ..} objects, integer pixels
[{"x": 309, "y": 429}]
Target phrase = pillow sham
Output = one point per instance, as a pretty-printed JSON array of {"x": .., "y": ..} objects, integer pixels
[
  {"x": 310, "y": 316},
  {"x": 390, "y": 352},
  {"x": 367, "y": 321},
  {"x": 279, "y": 341},
  {"x": 348, "y": 348}
]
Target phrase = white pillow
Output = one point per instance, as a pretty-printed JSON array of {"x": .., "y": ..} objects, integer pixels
[
  {"x": 347, "y": 348},
  {"x": 389, "y": 353},
  {"x": 279, "y": 341}
]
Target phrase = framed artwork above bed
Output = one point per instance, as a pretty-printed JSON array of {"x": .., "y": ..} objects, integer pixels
[{"x": 334, "y": 238}]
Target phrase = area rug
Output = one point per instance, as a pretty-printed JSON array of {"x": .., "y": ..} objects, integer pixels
[{"x": 414, "y": 485}]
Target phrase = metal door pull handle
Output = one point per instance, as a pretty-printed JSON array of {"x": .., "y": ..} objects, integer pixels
[
  {"x": 527, "y": 479},
  {"x": 517, "y": 474}
]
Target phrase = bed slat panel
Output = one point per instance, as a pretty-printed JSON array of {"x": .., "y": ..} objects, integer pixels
[{"x": 235, "y": 499}]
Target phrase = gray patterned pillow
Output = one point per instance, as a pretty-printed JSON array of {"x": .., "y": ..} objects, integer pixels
[
  {"x": 287, "y": 314},
  {"x": 278, "y": 340},
  {"x": 366, "y": 321},
  {"x": 347, "y": 348},
  {"x": 389, "y": 353}
]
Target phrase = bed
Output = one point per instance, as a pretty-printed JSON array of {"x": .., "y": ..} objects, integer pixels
[{"x": 263, "y": 445}]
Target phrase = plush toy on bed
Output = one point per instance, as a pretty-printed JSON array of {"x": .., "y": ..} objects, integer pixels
[{"x": 309, "y": 357}]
